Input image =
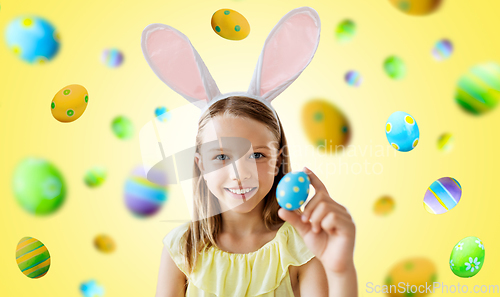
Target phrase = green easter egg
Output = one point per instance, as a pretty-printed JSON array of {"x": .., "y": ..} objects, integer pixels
[
  {"x": 467, "y": 257},
  {"x": 38, "y": 186},
  {"x": 95, "y": 176},
  {"x": 122, "y": 127}
]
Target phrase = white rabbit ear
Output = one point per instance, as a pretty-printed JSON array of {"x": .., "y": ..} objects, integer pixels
[
  {"x": 175, "y": 61},
  {"x": 288, "y": 50}
]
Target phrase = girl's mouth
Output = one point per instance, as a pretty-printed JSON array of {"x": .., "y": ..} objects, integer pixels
[{"x": 242, "y": 195}]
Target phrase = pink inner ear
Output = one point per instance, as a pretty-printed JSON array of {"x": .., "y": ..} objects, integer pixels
[
  {"x": 174, "y": 62},
  {"x": 288, "y": 52}
]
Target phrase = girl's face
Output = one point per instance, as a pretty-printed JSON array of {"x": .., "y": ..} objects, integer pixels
[{"x": 238, "y": 153}]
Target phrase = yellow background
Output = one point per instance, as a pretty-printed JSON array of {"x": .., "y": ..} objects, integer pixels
[{"x": 27, "y": 128}]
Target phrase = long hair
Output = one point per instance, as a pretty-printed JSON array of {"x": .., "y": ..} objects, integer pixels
[{"x": 204, "y": 228}]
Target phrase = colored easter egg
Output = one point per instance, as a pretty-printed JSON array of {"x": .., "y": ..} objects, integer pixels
[
  {"x": 95, "y": 176},
  {"x": 394, "y": 67},
  {"x": 416, "y": 7},
  {"x": 353, "y": 78},
  {"x": 442, "y": 50},
  {"x": 33, "y": 39},
  {"x": 230, "y": 24},
  {"x": 32, "y": 257},
  {"x": 112, "y": 57},
  {"x": 104, "y": 243},
  {"x": 162, "y": 114},
  {"x": 402, "y": 132},
  {"x": 442, "y": 195},
  {"x": 69, "y": 103},
  {"x": 38, "y": 186},
  {"x": 445, "y": 142},
  {"x": 413, "y": 273},
  {"x": 91, "y": 289},
  {"x": 122, "y": 127},
  {"x": 292, "y": 190},
  {"x": 384, "y": 206},
  {"x": 467, "y": 257},
  {"x": 144, "y": 195},
  {"x": 345, "y": 31},
  {"x": 325, "y": 125},
  {"x": 478, "y": 91}
]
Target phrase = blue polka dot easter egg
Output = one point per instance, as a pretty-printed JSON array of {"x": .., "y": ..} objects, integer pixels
[
  {"x": 292, "y": 190},
  {"x": 402, "y": 132}
]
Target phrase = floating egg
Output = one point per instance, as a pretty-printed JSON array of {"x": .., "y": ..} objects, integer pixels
[
  {"x": 353, "y": 78},
  {"x": 38, "y": 186},
  {"x": 325, "y": 125},
  {"x": 413, "y": 273},
  {"x": 416, "y": 7},
  {"x": 394, "y": 67},
  {"x": 345, "y": 31},
  {"x": 230, "y": 24},
  {"x": 33, "y": 39},
  {"x": 384, "y": 206},
  {"x": 95, "y": 176},
  {"x": 91, "y": 289},
  {"x": 112, "y": 57},
  {"x": 478, "y": 91},
  {"x": 32, "y": 257},
  {"x": 442, "y": 50},
  {"x": 69, "y": 103},
  {"x": 402, "y": 132},
  {"x": 442, "y": 195},
  {"x": 122, "y": 127},
  {"x": 467, "y": 257},
  {"x": 162, "y": 114},
  {"x": 292, "y": 190},
  {"x": 104, "y": 243},
  {"x": 445, "y": 142},
  {"x": 145, "y": 197}
]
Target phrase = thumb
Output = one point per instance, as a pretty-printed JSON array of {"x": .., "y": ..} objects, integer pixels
[{"x": 293, "y": 218}]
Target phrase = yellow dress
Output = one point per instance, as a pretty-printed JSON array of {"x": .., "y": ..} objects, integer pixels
[{"x": 262, "y": 273}]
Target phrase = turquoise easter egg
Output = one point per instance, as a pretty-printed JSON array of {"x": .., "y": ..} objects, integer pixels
[
  {"x": 478, "y": 91},
  {"x": 292, "y": 190},
  {"x": 38, "y": 186},
  {"x": 402, "y": 131},
  {"x": 33, "y": 39},
  {"x": 467, "y": 257}
]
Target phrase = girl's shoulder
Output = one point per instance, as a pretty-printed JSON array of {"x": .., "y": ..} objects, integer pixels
[{"x": 172, "y": 239}]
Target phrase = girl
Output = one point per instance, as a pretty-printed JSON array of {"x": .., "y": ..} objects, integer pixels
[{"x": 240, "y": 243}]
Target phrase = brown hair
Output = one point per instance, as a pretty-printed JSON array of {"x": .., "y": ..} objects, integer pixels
[{"x": 203, "y": 229}]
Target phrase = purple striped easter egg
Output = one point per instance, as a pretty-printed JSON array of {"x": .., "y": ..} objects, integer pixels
[{"x": 442, "y": 195}]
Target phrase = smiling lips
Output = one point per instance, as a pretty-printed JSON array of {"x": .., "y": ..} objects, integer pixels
[{"x": 238, "y": 191}]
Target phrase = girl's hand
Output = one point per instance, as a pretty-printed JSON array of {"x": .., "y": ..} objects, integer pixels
[{"x": 327, "y": 229}]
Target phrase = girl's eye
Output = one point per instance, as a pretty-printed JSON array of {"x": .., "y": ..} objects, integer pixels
[
  {"x": 259, "y": 154},
  {"x": 219, "y": 159},
  {"x": 216, "y": 157}
]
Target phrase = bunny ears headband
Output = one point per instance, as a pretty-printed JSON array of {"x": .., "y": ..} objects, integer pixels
[{"x": 288, "y": 50}]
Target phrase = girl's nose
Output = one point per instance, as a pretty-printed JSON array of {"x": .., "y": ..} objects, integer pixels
[{"x": 242, "y": 169}]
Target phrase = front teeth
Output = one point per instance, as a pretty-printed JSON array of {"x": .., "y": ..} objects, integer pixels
[{"x": 240, "y": 192}]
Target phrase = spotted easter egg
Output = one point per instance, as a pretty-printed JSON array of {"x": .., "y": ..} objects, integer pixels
[
  {"x": 442, "y": 50},
  {"x": 69, "y": 103},
  {"x": 402, "y": 132},
  {"x": 478, "y": 91},
  {"x": 91, "y": 289},
  {"x": 384, "y": 206},
  {"x": 122, "y": 127},
  {"x": 33, "y": 39},
  {"x": 345, "y": 31},
  {"x": 353, "y": 78},
  {"x": 163, "y": 114},
  {"x": 414, "y": 273},
  {"x": 445, "y": 142},
  {"x": 38, "y": 186},
  {"x": 32, "y": 257},
  {"x": 112, "y": 57},
  {"x": 416, "y": 7},
  {"x": 95, "y": 176},
  {"x": 145, "y": 194},
  {"x": 292, "y": 190},
  {"x": 230, "y": 24},
  {"x": 442, "y": 195},
  {"x": 104, "y": 243},
  {"x": 325, "y": 125},
  {"x": 467, "y": 257},
  {"x": 394, "y": 67}
]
